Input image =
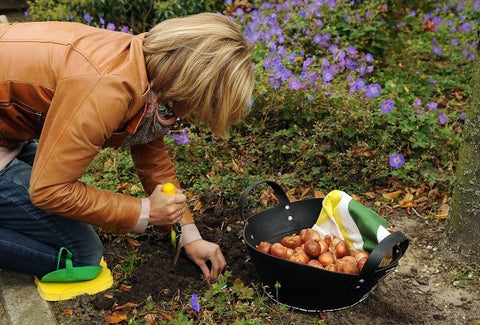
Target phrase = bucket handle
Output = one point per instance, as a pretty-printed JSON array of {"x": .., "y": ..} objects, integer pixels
[
  {"x": 279, "y": 193},
  {"x": 396, "y": 240}
]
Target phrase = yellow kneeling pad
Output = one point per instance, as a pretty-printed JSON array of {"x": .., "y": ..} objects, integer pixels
[{"x": 56, "y": 291}]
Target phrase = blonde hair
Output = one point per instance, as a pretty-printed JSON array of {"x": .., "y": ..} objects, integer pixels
[{"x": 201, "y": 63}]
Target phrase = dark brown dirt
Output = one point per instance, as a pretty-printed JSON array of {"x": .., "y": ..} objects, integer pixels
[{"x": 418, "y": 292}]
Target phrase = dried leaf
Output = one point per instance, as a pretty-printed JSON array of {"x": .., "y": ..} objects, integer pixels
[
  {"x": 126, "y": 305},
  {"x": 421, "y": 199},
  {"x": 369, "y": 195},
  {"x": 132, "y": 242},
  {"x": 198, "y": 206},
  {"x": 458, "y": 95},
  {"x": 434, "y": 194},
  {"x": 124, "y": 287},
  {"x": 356, "y": 198},
  {"x": 150, "y": 319},
  {"x": 442, "y": 212},
  {"x": 236, "y": 168},
  {"x": 166, "y": 316},
  {"x": 406, "y": 202},
  {"x": 392, "y": 195},
  {"x": 135, "y": 188},
  {"x": 67, "y": 312},
  {"x": 318, "y": 194},
  {"x": 304, "y": 192},
  {"x": 115, "y": 317}
]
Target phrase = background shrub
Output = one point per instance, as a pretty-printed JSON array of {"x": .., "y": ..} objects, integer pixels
[{"x": 350, "y": 94}]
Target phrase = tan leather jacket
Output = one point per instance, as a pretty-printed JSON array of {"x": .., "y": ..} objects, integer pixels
[{"x": 77, "y": 89}]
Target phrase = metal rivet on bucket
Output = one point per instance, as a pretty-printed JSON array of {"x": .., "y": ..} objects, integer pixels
[
  {"x": 287, "y": 207},
  {"x": 289, "y": 218}
]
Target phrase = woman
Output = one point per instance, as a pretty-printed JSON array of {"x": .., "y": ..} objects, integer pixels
[{"x": 78, "y": 89}]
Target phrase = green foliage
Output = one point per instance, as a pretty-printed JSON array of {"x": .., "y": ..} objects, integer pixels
[
  {"x": 226, "y": 301},
  {"x": 136, "y": 16},
  {"x": 113, "y": 170}
]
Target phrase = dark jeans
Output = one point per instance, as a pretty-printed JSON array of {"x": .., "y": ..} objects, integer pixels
[{"x": 30, "y": 238}]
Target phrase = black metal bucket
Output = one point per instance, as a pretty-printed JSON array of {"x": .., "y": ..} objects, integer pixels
[{"x": 304, "y": 287}]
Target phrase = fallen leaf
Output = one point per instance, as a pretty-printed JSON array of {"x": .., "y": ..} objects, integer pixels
[
  {"x": 304, "y": 192},
  {"x": 406, "y": 202},
  {"x": 421, "y": 199},
  {"x": 124, "y": 287},
  {"x": 356, "y": 198},
  {"x": 67, "y": 312},
  {"x": 442, "y": 212},
  {"x": 318, "y": 194},
  {"x": 150, "y": 319},
  {"x": 236, "y": 168},
  {"x": 126, "y": 305},
  {"x": 135, "y": 188},
  {"x": 369, "y": 195},
  {"x": 392, "y": 195},
  {"x": 132, "y": 242},
  {"x": 115, "y": 317},
  {"x": 198, "y": 206},
  {"x": 166, "y": 316}
]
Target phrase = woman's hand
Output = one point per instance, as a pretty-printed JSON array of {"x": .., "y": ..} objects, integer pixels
[
  {"x": 166, "y": 209},
  {"x": 201, "y": 251}
]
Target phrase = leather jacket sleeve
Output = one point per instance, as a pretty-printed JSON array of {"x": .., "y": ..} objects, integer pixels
[
  {"x": 70, "y": 140},
  {"x": 154, "y": 167}
]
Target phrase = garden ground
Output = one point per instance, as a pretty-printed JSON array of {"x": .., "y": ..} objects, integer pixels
[{"x": 425, "y": 288}]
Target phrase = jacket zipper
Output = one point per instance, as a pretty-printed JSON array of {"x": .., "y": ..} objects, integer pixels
[{"x": 24, "y": 108}]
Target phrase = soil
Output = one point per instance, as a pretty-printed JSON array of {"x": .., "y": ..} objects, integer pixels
[{"x": 419, "y": 291}]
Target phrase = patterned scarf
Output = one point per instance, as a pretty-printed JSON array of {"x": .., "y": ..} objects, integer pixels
[{"x": 150, "y": 128}]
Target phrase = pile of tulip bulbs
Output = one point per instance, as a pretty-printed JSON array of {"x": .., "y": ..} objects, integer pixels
[{"x": 308, "y": 247}]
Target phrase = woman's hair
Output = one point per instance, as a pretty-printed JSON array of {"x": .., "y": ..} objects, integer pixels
[{"x": 201, "y": 63}]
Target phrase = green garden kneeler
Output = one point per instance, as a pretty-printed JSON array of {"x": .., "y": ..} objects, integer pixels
[{"x": 71, "y": 281}]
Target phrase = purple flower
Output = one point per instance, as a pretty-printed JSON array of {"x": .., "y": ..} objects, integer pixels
[
  {"x": 437, "y": 50},
  {"x": 327, "y": 75},
  {"x": 317, "y": 38},
  {"x": 102, "y": 21},
  {"x": 181, "y": 139},
  {"x": 360, "y": 83},
  {"x": 125, "y": 29},
  {"x": 463, "y": 116},
  {"x": 295, "y": 84},
  {"x": 465, "y": 27},
  {"x": 373, "y": 90},
  {"x": 442, "y": 118},
  {"x": 397, "y": 160},
  {"x": 368, "y": 57},
  {"x": 351, "y": 51},
  {"x": 432, "y": 106},
  {"x": 387, "y": 106},
  {"x": 87, "y": 18},
  {"x": 239, "y": 12},
  {"x": 111, "y": 26},
  {"x": 26, "y": 14},
  {"x": 432, "y": 82},
  {"x": 194, "y": 303},
  {"x": 454, "y": 42},
  {"x": 417, "y": 103}
]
